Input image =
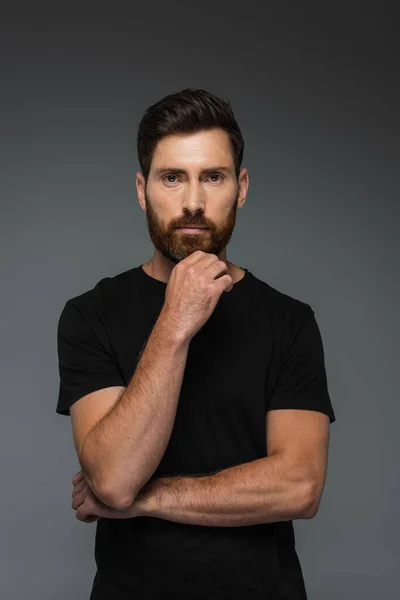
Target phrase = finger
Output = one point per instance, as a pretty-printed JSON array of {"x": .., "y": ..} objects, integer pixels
[
  {"x": 222, "y": 282},
  {"x": 78, "y": 500},
  {"x": 78, "y": 488},
  {"x": 86, "y": 513},
  {"x": 78, "y": 477}
]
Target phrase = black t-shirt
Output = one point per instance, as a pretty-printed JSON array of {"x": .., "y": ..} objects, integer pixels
[{"x": 260, "y": 350}]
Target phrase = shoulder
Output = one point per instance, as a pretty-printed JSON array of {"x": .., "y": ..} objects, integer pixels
[
  {"x": 104, "y": 296},
  {"x": 104, "y": 292},
  {"x": 281, "y": 306}
]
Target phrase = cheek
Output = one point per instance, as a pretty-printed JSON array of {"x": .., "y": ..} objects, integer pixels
[{"x": 167, "y": 204}]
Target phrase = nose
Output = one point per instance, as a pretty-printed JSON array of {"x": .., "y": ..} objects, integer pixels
[{"x": 193, "y": 200}]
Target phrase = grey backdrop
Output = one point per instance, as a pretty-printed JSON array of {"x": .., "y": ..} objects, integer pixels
[{"x": 316, "y": 95}]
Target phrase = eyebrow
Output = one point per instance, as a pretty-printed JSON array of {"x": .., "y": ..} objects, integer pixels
[{"x": 162, "y": 170}]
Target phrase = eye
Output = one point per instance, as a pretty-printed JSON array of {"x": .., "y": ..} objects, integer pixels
[
  {"x": 165, "y": 178},
  {"x": 169, "y": 175},
  {"x": 217, "y": 175}
]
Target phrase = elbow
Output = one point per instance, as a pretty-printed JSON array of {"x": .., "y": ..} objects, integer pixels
[
  {"x": 309, "y": 504},
  {"x": 120, "y": 500},
  {"x": 116, "y": 501},
  {"x": 108, "y": 492}
]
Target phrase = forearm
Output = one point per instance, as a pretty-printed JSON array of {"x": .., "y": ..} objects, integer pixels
[
  {"x": 262, "y": 491},
  {"x": 124, "y": 449}
]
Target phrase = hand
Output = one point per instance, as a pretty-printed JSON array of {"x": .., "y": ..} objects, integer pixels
[
  {"x": 88, "y": 507},
  {"x": 193, "y": 290}
]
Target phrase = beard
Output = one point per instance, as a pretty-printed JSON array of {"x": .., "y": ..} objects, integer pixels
[{"x": 176, "y": 246}]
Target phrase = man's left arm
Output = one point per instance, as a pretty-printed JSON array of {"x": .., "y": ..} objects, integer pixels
[{"x": 286, "y": 484}]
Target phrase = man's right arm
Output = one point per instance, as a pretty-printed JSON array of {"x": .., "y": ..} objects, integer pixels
[{"x": 122, "y": 451}]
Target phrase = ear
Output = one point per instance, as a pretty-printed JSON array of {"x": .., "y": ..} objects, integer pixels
[
  {"x": 140, "y": 189},
  {"x": 243, "y": 187}
]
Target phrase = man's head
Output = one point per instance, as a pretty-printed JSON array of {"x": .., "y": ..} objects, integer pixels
[{"x": 190, "y": 150}]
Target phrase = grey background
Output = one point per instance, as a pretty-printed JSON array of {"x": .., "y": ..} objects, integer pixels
[{"x": 315, "y": 92}]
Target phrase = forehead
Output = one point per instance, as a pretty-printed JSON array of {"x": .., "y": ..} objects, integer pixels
[{"x": 193, "y": 150}]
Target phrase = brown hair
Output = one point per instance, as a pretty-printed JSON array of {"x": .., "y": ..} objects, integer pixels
[{"x": 187, "y": 111}]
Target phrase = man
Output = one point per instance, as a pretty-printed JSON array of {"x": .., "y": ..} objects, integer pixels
[{"x": 197, "y": 392}]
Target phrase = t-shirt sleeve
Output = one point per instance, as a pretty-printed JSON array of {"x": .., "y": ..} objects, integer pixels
[
  {"x": 302, "y": 381},
  {"x": 85, "y": 363}
]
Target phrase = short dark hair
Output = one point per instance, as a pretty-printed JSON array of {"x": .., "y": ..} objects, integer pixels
[{"x": 188, "y": 111}]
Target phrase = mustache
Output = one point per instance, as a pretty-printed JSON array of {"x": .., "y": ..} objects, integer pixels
[{"x": 192, "y": 223}]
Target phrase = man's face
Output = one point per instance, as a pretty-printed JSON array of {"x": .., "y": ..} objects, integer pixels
[{"x": 191, "y": 197}]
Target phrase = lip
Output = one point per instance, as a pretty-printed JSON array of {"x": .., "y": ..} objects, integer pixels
[{"x": 193, "y": 228}]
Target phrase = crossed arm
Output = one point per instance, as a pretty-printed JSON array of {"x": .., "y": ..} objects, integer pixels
[{"x": 286, "y": 484}]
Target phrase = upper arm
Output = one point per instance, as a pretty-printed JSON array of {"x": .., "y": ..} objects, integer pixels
[
  {"x": 89, "y": 410},
  {"x": 90, "y": 378},
  {"x": 301, "y": 437}
]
